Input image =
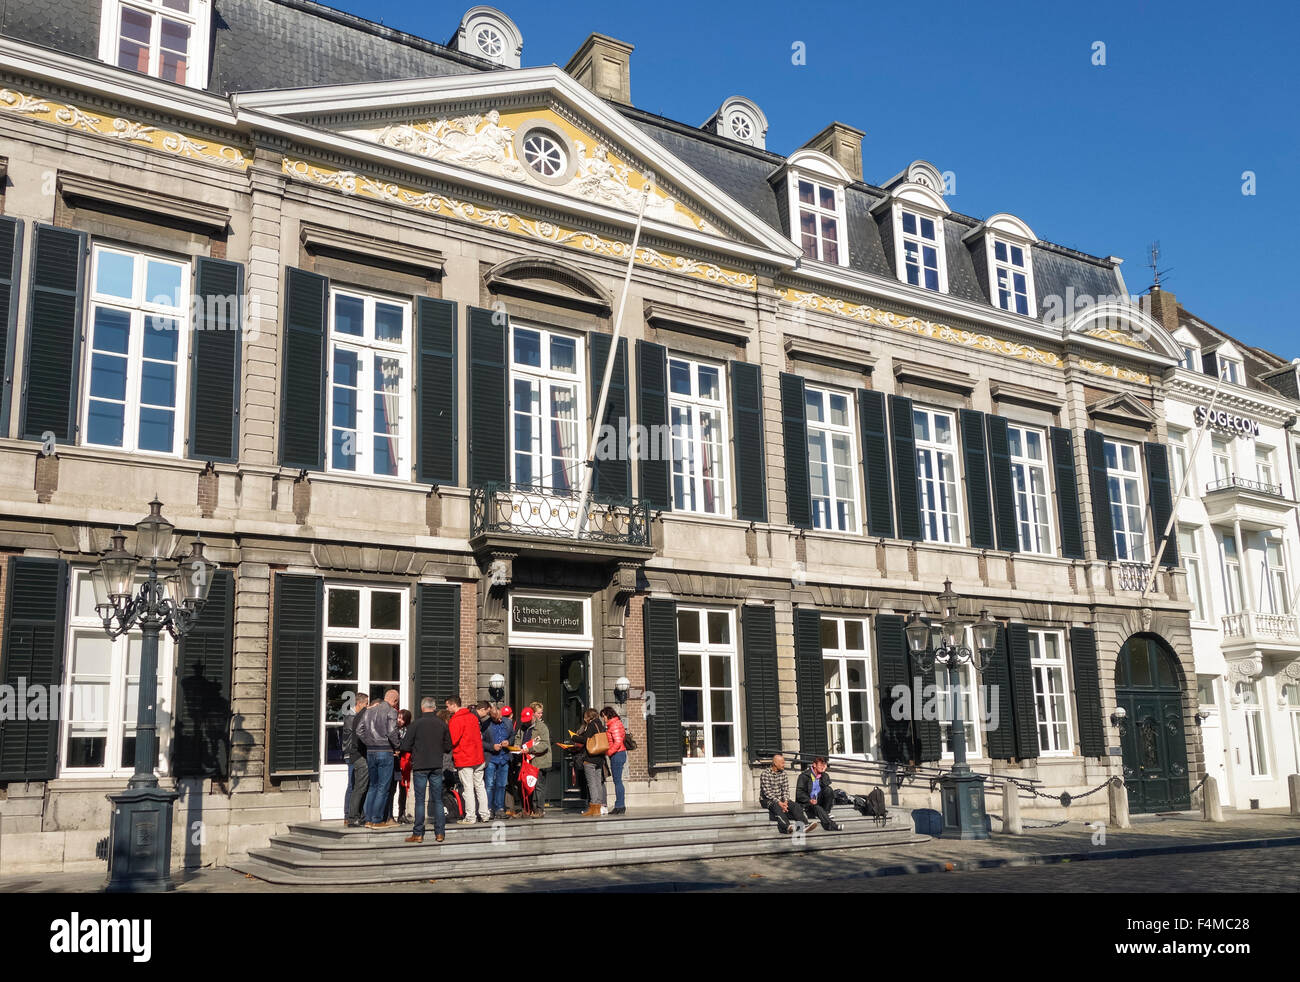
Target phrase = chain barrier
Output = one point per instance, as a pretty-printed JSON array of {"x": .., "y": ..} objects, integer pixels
[
  {"x": 1053, "y": 825},
  {"x": 1065, "y": 798}
]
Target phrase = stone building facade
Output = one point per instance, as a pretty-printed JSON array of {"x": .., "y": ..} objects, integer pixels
[{"x": 859, "y": 393}]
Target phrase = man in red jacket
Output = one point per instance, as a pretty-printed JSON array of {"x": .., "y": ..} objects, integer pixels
[{"x": 467, "y": 752}]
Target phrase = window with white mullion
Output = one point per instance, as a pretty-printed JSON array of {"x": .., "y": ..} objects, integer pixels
[
  {"x": 1030, "y": 485},
  {"x": 1232, "y": 583},
  {"x": 365, "y": 650},
  {"x": 1264, "y": 465},
  {"x": 135, "y": 352},
  {"x": 1221, "y": 454},
  {"x": 1256, "y": 738},
  {"x": 547, "y": 387},
  {"x": 921, "y": 238},
  {"x": 1189, "y": 548},
  {"x": 846, "y": 665},
  {"x": 1177, "y": 457},
  {"x": 820, "y": 221},
  {"x": 1012, "y": 277},
  {"x": 938, "y": 478},
  {"x": 831, "y": 470},
  {"x": 970, "y": 714},
  {"x": 166, "y": 39},
  {"x": 1125, "y": 485},
  {"x": 697, "y": 416},
  {"x": 1278, "y": 587},
  {"x": 369, "y": 403},
  {"x": 1051, "y": 693}
]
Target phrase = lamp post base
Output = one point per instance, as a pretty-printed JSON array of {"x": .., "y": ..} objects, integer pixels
[
  {"x": 140, "y": 841},
  {"x": 962, "y": 796}
]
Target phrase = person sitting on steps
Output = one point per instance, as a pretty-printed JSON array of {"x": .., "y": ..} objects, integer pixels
[
  {"x": 774, "y": 795},
  {"x": 814, "y": 794}
]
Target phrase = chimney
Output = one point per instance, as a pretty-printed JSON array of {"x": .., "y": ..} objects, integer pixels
[
  {"x": 602, "y": 64},
  {"x": 844, "y": 144},
  {"x": 1163, "y": 307}
]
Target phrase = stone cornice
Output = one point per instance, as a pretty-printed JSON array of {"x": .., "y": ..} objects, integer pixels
[
  {"x": 341, "y": 240},
  {"x": 141, "y": 199},
  {"x": 674, "y": 318},
  {"x": 934, "y": 376},
  {"x": 1197, "y": 389},
  {"x": 821, "y": 352}
]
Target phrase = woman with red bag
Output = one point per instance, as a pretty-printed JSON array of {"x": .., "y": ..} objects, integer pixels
[{"x": 403, "y": 768}]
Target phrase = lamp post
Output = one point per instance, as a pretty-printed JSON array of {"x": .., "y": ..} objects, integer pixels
[
  {"x": 140, "y": 833},
  {"x": 943, "y": 643}
]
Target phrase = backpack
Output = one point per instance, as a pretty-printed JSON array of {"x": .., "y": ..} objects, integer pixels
[
  {"x": 873, "y": 806},
  {"x": 452, "y": 805}
]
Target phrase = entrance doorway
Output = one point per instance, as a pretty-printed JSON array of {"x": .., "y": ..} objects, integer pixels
[
  {"x": 706, "y": 652},
  {"x": 1149, "y": 688},
  {"x": 559, "y": 681}
]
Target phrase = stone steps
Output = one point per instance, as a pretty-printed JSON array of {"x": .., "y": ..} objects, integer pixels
[{"x": 329, "y": 854}]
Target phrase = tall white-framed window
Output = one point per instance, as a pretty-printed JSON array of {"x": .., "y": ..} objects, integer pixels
[
  {"x": 1230, "y": 370},
  {"x": 1031, "y": 487},
  {"x": 101, "y": 692},
  {"x": 706, "y": 670},
  {"x": 921, "y": 245},
  {"x": 1012, "y": 277},
  {"x": 846, "y": 664},
  {"x": 937, "y": 475},
  {"x": 370, "y": 396},
  {"x": 820, "y": 210},
  {"x": 1264, "y": 472},
  {"x": 969, "y": 709},
  {"x": 1291, "y": 696},
  {"x": 1279, "y": 587},
  {"x": 1256, "y": 738},
  {"x": 136, "y": 350},
  {"x": 1232, "y": 583},
  {"x": 1051, "y": 693},
  {"x": 697, "y": 412},
  {"x": 546, "y": 382},
  {"x": 167, "y": 39},
  {"x": 1189, "y": 547},
  {"x": 364, "y": 650},
  {"x": 831, "y": 459},
  {"x": 1177, "y": 456},
  {"x": 1125, "y": 484},
  {"x": 1191, "y": 359},
  {"x": 1221, "y": 455}
]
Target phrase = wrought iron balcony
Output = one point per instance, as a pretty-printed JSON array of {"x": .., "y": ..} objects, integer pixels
[
  {"x": 1132, "y": 576},
  {"x": 1249, "y": 624},
  {"x": 1241, "y": 483},
  {"x": 506, "y": 515}
]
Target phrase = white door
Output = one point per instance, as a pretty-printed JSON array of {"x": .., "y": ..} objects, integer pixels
[
  {"x": 365, "y": 650},
  {"x": 1216, "y": 761},
  {"x": 710, "y": 731}
]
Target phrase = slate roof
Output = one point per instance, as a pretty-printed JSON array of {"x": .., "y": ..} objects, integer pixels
[
  {"x": 268, "y": 44},
  {"x": 1257, "y": 362}
]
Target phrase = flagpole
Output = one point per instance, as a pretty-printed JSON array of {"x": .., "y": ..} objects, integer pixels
[
  {"x": 1182, "y": 487},
  {"x": 589, "y": 468}
]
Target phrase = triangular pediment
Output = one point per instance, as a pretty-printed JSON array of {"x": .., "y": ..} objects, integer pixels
[
  {"x": 1123, "y": 408},
  {"x": 534, "y": 134}
]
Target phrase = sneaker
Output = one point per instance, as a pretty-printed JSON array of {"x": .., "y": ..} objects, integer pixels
[
  {"x": 466, "y": 821},
  {"x": 784, "y": 829},
  {"x": 811, "y": 826},
  {"x": 835, "y": 827},
  {"x": 604, "y": 810}
]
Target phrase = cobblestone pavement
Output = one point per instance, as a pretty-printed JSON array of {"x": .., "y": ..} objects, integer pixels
[{"x": 1015, "y": 863}]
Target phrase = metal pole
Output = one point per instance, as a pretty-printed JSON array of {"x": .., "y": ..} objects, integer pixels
[
  {"x": 958, "y": 724},
  {"x": 146, "y": 717},
  {"x": 588, "y": 470}
]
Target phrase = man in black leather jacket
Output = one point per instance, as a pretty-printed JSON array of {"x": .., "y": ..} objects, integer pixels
[{"x": 814, "y": 792}]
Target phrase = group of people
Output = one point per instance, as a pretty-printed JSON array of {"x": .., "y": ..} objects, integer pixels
[
  {"x": 483, "y": 750},
  {"x": 813, "y": 795}
]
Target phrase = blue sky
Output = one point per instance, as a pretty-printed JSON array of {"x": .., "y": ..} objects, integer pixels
[{"x": 1105, "y": 159}]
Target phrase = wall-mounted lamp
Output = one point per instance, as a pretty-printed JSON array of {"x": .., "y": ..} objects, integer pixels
[
  {"x": 1118, "y": 718},
  {"x": 621, "y": 689},
  {"x": 1201, "y": 717},
  {"x": 497, "y": 687}
]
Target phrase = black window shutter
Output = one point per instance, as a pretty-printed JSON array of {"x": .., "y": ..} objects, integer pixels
[
  {"x": 489, "y": 397},
  {"x": 906, "y": 491},
  {"x": 794, "y": 426},
  {"x": 652, "y": 413},
  {"x": 810, "y": 681},
  {"x": 747, "y": 427},
  {"x": 1004, "y": 497},
  {"x": 977, "y": 478},
  {"x": 894, "y": 674},
  {"x": 35, "y": 619},
  {"x": 215, "y": 360},
  {"x": 1162, "y": 504},
  {"x": 879, "y": 506},
  {"x": 296, "y": 675},
  {"x": 306, "y": 308},
  {"x": 1000, "y": 739},
  {"x": 436, "y": 391},
  {"x": 926, "y": 733},
  {"x": 1067, "y": 493},
  {"x": 1087, "y": 692},
  {"x": 662, "y": 679},
  {"x": 54, "y": 314},
  {"x": 201, "y": 727},
  {"x": 762, "y": 695},
  {"x": 612, "y": 478},
  {"x": 1022, "y": 692},
  {"x": 1095, "y": 444},
  {"x": 437, "y": 642},
  {"x": 11, "y": 264}
]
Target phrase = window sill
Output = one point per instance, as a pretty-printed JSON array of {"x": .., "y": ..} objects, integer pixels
[
  {"x": 368, "y": 481},
  {"x": 111, "y": 455}
]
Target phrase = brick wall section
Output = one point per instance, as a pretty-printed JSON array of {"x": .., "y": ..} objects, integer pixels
[
  {"x": 634, "y": 652},
  {"x": 250, "y": 681},
  {"x": 47, "y": 477},
  {"x": 469, "y": 643},
  {"x": 209, "y": 486}
]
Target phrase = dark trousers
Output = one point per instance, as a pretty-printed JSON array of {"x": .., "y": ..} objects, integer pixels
[
  {"x": 820, "y": 809},
  {"x": 783, "y": 819},
  {"x": 539, "y": 793},
  {"x": 358, "y": 785},
  {"x": 429, "y": 782}
]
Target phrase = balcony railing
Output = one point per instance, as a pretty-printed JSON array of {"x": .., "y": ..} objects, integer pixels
[
  {"x": 1275, "y": 490},
  {"x": 1251, "y": 624},
  {"x": 1132, "y": 576},
  {"x": 522, "y": 509}
]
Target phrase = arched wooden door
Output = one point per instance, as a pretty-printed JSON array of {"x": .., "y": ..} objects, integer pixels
[{"x": 1149, "y": 687}]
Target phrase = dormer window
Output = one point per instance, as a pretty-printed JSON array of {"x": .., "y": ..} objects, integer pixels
[
  {"x": 487, "y": 33},
  {"x": 167, "y": 39},
  {"x": 912, "y": 218},
  {"x": 1225, "y": 363},
  {"x": 1003, "y": 247},
  {"x": 1011, "y": 276},
  {"x": 1191, "y": 350},
  {"x": 1191, "y": 358},
  {"x": 920, "y": 245},
  {"x": 1230, "y": 371},
  {"x": 816, "y": 186},
  {"x": 741, "y": 120}
]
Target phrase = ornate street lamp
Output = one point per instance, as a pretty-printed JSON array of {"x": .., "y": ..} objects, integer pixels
[
  {"x": 140, "y": 835},
  {"x": 943, "y": 644}
]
